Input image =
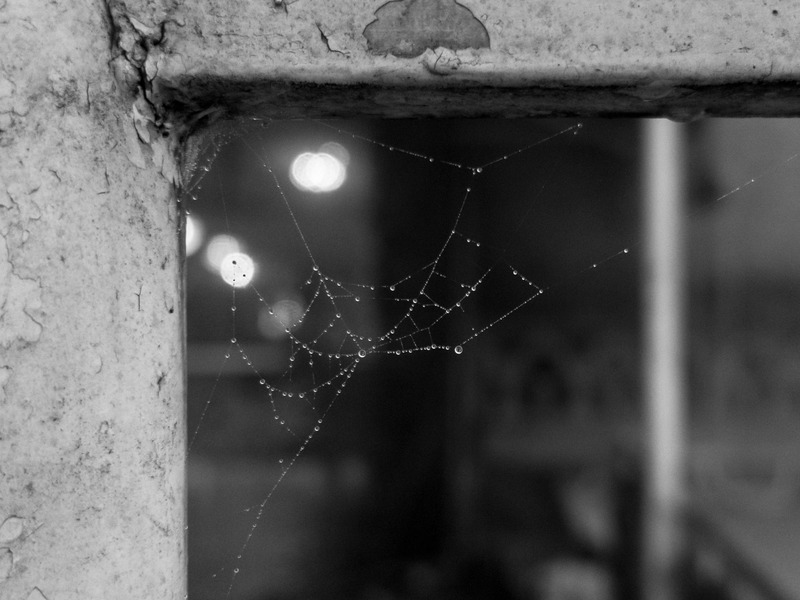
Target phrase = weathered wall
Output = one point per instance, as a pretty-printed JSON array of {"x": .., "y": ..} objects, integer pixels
[
  {"x": 91, "y": 321},
  {"x": 494, "y": 57}
]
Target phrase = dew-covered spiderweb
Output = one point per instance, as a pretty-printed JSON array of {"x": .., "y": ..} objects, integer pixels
[{"x": 347, "y": 280}]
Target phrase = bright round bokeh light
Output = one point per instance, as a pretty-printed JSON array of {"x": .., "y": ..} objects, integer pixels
[
  {"x": 317, "y": 172},
  {"x": 237, "y": 269},
  {"x": 194, "y": 234},
  {"x": 218, "y": 248}
]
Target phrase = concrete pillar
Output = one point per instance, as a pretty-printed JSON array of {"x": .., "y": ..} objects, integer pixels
[{"x": 92, "y": 424}]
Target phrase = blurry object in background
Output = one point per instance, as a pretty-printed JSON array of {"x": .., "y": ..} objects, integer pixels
[
  {"x": 277, "y": 320},
  {"x": 237, "y": 269},
  {"x": 218, "y": 248},
  {"x": 194, "y": 234},
  {"x": 571, "y": 579},
  {"x": 319, "y": 172}
]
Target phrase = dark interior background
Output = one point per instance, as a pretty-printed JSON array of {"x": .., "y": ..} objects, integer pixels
[{"x": 512, "y": 470}]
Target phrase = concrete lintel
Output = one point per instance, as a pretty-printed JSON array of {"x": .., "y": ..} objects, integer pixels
[{"x": 549, "y": 57}]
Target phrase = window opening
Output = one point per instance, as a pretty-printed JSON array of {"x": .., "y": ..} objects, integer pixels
[{"x": 398, "y": 330}]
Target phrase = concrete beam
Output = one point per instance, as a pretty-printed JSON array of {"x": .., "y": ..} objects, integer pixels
[{"x": 502, "y": 58}]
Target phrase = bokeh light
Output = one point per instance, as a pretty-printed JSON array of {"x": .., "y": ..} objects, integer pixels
[
  {"x": 318, "y": 172},
  {"x": 237, "y": 269},
  {"x": 218, "y": 248},
  {"x": 194, "y": 234},
  {"x": 275, "y": 320}
]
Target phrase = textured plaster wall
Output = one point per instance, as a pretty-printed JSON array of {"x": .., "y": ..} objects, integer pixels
[
  {"x": 476, "y": 57},
  {"x": 91, "y": 319}
]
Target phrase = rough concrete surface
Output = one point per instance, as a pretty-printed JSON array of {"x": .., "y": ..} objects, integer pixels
[
  {"x": 543, "y": 57},
  {"x": 91, "y": 322}
]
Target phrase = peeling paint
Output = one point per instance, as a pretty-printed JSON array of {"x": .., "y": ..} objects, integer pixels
[
  {"x": 406, "y": 28},
  {"x": 11, "y": 529},
  {"x": 137, "y": 49},
  {"x": 20, "y": 299}
]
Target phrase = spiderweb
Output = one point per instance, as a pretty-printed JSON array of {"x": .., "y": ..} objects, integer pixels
[{"x": 424, "y": 251}]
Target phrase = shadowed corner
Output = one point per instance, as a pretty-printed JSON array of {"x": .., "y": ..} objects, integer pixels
[{"x": 406, "y": 28}]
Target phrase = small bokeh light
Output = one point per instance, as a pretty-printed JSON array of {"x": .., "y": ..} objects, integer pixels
[
  {"x": 194, "y": 234},
  {"x": 274, "y": 321},
  {"x": 218, "y": 248},
  {"x": 237, "y": 269},
  {"x": 320, "y": 172}
]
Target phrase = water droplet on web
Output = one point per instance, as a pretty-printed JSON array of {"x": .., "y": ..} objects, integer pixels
[
  {"x": 233, "y": 309},
  {"x": 236, "y": 570},
  {"x": 479, "y": 169},
  {"x": 262, "y": 381},
  {"x": 626, "y": 250},
  {"x": 458, "y": 349},
  {"x": 315, "y": 268},
  {"x": 316, "y": 428},
  {"x": 391, "y": 287},
  {"x": 362, "y": 353},
  {"x": 233, "y": 340},
  {"x": 357, "y": 299}
]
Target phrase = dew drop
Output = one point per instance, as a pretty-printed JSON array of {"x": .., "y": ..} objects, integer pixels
[
  {"x": 626, "y": 251},
  {"x": 362, "y": 353},
  {"x": 233, "y": 340},
  {"x": 479, "y": 170},
  {"x": 357, "y": 299},
  {"x": 233, "y": 309},
  {"x": 236, "y": 570},
  {"x": 262, "y": 381},
  {"x": 391, "y": 287},
  {"x": 316, "y": 428},
  {"x": 458, "y": 349}
]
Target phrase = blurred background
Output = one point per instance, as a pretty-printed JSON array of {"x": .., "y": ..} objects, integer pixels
[{"x": 514, "y": 469}]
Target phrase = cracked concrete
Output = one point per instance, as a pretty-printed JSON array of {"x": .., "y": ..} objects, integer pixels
[{"x": 79, "y": 226}]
